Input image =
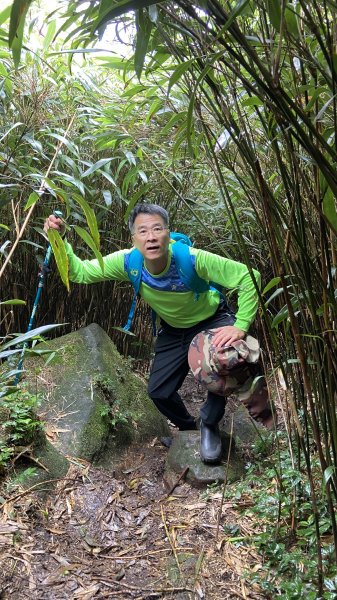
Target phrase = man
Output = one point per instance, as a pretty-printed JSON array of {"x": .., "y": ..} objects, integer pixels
[{"x": 182, "y": 315}]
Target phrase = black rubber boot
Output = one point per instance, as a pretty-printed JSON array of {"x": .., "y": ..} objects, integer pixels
[{"x": 210, "y": 443}]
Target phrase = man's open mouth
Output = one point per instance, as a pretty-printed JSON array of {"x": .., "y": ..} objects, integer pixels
[{"x": 152, "y": 248}]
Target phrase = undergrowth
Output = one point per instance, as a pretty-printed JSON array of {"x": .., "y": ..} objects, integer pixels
[
  {"x": 19, "y": 424},
  {"x": 275, "y": 495}
]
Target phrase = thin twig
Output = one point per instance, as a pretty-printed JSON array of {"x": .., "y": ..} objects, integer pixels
[
  {"x": 169, "y": 539},
  {"x": 225, "y": 482},
  {"x": 110, "y": 582},
  {"x": 31, "y": 489}
]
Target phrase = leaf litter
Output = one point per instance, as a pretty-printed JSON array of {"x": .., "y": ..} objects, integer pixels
[{"x": 123, "y": 534}]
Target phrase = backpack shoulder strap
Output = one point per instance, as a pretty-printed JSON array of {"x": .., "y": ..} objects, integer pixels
[
  {"x": 134, "y": 273},
  {"x": 134, "y": 269},
  {"x": 186, "y": 269}
]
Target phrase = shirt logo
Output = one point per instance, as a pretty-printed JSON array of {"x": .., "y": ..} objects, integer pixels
[{"x": 134, "y": 272}]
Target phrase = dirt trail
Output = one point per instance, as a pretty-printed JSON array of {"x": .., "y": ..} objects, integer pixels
[{"x": 118, "y": 535}]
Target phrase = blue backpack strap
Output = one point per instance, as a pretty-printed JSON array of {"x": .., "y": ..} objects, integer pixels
[
  {"x": 134, "y": 272},
  {"x": 186, "y": 270},
  {"x": 134, "y": 269},
  {"x": 181, "y": 237}
]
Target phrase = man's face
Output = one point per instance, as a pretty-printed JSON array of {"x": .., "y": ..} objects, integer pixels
[{"x": 151, "y": 236}]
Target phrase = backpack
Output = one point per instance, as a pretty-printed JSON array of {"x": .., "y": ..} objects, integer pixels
[{"x": 185, "y": 267}]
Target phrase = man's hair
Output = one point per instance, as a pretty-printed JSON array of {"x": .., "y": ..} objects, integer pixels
[{"x": 147, "y": 209}]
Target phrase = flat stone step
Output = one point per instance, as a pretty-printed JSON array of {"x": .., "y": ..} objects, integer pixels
[{"x": 184, "y": 452}]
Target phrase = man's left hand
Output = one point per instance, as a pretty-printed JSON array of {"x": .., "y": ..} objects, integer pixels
[{"x": 226, "y": 335}]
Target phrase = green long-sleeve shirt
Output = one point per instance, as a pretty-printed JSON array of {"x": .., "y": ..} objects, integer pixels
[{"x": 166, "y": 293}]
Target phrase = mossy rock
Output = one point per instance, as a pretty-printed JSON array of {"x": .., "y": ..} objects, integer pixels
[{"x": 93, "y": 403}]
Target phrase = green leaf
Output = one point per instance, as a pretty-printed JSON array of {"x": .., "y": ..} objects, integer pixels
[
  {"x": 33, "y": 198},
  {"x": 90, "y": 217},
  {"x": 274, "y": 11},
  {"x": 291, "y": 20},
  {"x": 16, "y": 26},
  {"x": 155, "y": 106},
  {"x": 253, "y": 101},
  {"x": 134, "y": 199},
  {"x": 6, "y": 83},
  {"x": 60, "y": 255},
  {"x": 10, "y": 129},
  {"x": 314, "y": 93},
  {"x": 5, "y": 14},
  {"x": 13, "y": 302},
  {"x": 90, "y": 242},
  {"x": 119, "y": 9},
  {"x": 329, "y": 471},
  {"x": 107, "y": 197},
  {"x": 30, "y": 334},
  {"x": 178, "y": 72},
  {"x": 173, "y": 120},
  {"x": 123, "y": 331},
  {"x": 235, "y": 12},
  {"x": 114, "y": 62},
  {"x": 100, "y": 163},
  {"x": 329, "y": 208},
  {"x": 49, "y": 35},
  {"x": 281, "y": 316},
  {"x": 271, "y": 284},
  {"x": 144, "y": 27},
  {"x": 71, "y": 147}
]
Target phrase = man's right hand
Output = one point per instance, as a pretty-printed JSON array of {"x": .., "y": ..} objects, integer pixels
[{"x": 53, "y": 222}]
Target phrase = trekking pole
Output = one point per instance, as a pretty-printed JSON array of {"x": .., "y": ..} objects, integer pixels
[{"x": 42, "y": 277}]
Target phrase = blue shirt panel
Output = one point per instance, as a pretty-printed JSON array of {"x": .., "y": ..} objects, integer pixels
[{"x": 170, "y": 281}]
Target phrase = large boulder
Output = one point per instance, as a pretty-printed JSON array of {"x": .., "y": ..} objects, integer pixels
[{"x": 93, "y": 403}]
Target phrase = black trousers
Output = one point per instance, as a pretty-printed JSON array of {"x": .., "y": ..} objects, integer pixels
[{"x": 170, "y": 367}]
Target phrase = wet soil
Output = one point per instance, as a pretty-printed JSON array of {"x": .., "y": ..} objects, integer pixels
[{"x": 122, "y": 534}]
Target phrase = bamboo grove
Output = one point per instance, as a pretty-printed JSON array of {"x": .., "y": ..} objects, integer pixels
[{"x": 238, "y": 127}]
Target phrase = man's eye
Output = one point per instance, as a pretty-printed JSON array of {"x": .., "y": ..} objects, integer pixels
[
  {"x": 157, "y": 229},
  {"x": 142, "y": 231}
]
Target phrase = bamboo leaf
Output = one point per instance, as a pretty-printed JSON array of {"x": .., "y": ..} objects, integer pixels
[
  {"x": 235, "y": 12},
  {"x": 178, "y": 72},
  {"x": 16, "y": 26},
  {"x": 134, "y": 199},
  {"x": 71, "y": 147},
  {"x": 90, "y": 217},
  {"x": 13, "y": 302},
  {"x": 5, "y": 14},
  {"x": 253, "y": 101},
  {"x": 271, "y": 284},
  {"x": 49, "y": 35},
  {"x": 90, "y": 242},
  {"x": 119, "y": 9},
  {"x": 328, "y": 473},
  {"x": 329, "y": 208},
  {"x": 144, "y": 27},
  {"x": 10, "y": 129},
  {"x": 30, "y": 334},
  {"x": 60, "y": 255},
  {"x": 33, "y": 198},
  {"x": 173, "y": 120},
  {"x": 274, "y": 11},
  {"x": 100, "y": 163},
  {"x": 281, "y": 316},
  {"x": 291, "y": 20},
  {"x": 107, "y": 197}
]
